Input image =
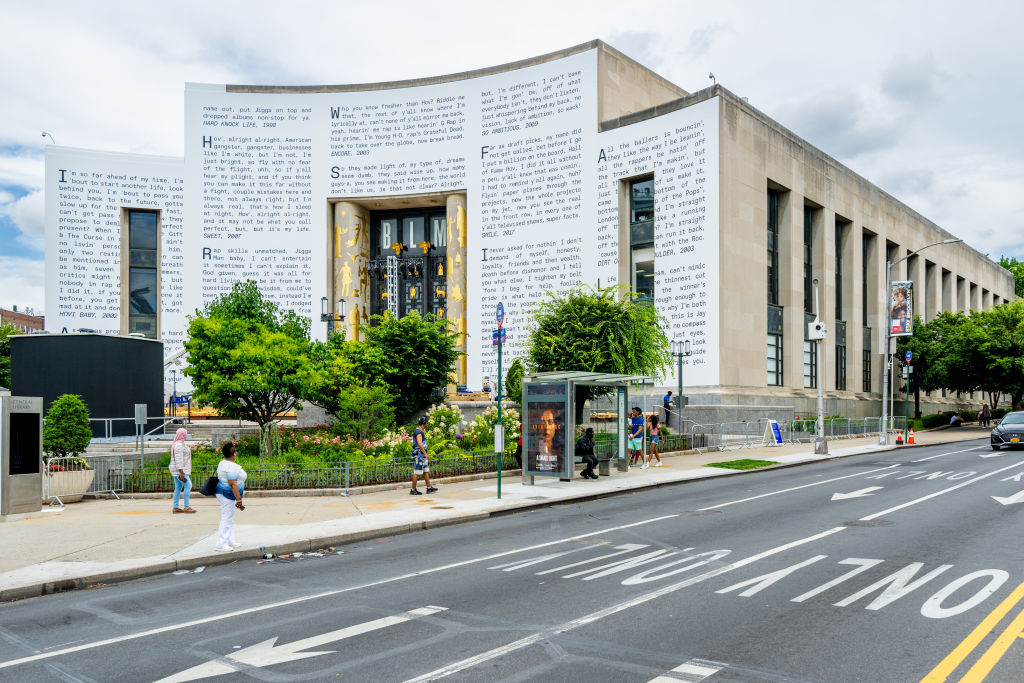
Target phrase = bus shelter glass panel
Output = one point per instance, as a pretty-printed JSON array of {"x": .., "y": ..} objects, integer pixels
[{"x": 546, "y": 431}]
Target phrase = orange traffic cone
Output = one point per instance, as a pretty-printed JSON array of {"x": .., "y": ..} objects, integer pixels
[
  {"x": 910, "y": 436},
  {"x": 899, "y": 437}
]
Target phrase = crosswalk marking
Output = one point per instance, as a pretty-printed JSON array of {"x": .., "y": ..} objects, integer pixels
[{"x": 691, "y": 671}]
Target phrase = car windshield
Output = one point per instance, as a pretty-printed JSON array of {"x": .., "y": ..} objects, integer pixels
[{"x": 1013, "y": 419}]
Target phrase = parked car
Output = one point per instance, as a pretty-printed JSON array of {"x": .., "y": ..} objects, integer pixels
[{"x": 1009, "y": 432}]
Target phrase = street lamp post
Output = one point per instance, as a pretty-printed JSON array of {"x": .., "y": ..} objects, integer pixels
[
  {"x": 330, "y": 318},
  {"x": 680, "y": 349},
  {"x": 174, "y": 392},
  {"x": 883, "y": 433},
  {"x": 817, "y": 334}
]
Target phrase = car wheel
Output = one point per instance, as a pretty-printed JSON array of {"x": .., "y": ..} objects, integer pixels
[{"x": 995, "y": 448}]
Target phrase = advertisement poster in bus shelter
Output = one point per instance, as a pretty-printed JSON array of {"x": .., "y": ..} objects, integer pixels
[
  {"x": 901, "y": 308},
  {"x": 547, "y": 410}
]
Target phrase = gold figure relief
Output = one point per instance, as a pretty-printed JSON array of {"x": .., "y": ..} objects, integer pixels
[
  {"x": 460, "y": 223},
  {"x": 440, "y": 268},
  {"x": 346, "y": 280},
  {"x": 337, "y": 241},
  {"x": 458, "y": 258},
  {"x": 457, "y": 293},
  {"x": 355, "y": 321},
  {"x": 412, "y": 292},
  {"x": 358, "y": 236}
]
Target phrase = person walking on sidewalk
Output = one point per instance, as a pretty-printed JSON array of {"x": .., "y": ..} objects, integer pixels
[
  {"x": 655, "y": 438},
  {"x": 230, "y": 489},
  {"x": 420, "y": 459},
  {"x": 636, "y": 437},
  {"x": 585, "y": 449},
  {"x": 667, "y": 400},
  {"x": 181, "y": 470}
]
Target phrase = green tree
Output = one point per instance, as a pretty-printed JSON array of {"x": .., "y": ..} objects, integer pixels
[
  {"x": 361, "y": 411},
  {"x": 6, "y": 331},
  {"x": 413, "y": 356},
  {"x": 1000, "y": 351},
  {"x": 245, "y": 357},
  {"x": 1016, "y": 267},
  {"x": 66, "y": 431},
  {"x": 514, "y": 381},
  {"x": 597, "y": 330}
]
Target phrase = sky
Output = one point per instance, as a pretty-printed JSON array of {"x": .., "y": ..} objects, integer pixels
[{"x": 924, "y": 99}]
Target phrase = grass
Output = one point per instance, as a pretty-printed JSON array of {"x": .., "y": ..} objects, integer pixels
[{"x": 745, "y": 464}]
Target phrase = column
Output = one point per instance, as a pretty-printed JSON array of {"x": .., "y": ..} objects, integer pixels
[
  {"x": 349, "y": 278},
  {"x": 457, "y": 256}
]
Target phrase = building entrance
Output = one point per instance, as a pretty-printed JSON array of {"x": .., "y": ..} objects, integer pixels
[{"x": 408, "y": 262}]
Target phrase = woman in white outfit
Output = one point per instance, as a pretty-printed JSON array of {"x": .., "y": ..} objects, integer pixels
[{"x": 230, "y": 488}]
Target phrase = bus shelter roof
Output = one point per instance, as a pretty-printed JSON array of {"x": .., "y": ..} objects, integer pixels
[{"x": 599, "y": 379}]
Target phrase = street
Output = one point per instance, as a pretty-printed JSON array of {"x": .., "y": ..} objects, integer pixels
[{"x": 897, "y": 566}]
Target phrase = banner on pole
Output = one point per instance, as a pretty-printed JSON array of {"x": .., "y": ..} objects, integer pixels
[{"x": 901, "y": 308}]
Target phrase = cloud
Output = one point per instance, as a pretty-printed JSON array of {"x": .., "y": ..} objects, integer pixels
[
  {"x": 912, "y": 81},
  {"x": 839, "y": 123},
  {"x": 28, "y": 215},
  {"x": 22, "y": 283}
]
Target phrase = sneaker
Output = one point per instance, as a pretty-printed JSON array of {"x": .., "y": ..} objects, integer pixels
[
  {"x": 415, "y": 492},
  {"x": 224, "y": 549},
  {"x": 431, "y": 489},
  {"x": 657, "y": 464},
  {"x": 236, "y": 545},
  {"x": 644, "y": 466}
]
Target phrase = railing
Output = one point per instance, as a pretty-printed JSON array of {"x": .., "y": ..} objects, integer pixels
[
  {"x": 327, "y": 475},
  {"x": 68, "y": 478},
  {"x": 108, "y": 425},
  {"x": 750, "y": 434}
]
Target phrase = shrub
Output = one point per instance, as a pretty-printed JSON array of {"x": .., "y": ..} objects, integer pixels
[
  {"x": 480, "y": 434},
  {"x": 442, "y": 423},
  {"x": 67, "y": 431}
]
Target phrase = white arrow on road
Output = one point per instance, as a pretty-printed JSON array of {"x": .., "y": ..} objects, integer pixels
[
  {"x": 993, "y": 454},
  {"x": 268, "y": 652},
  {"x": 1010, "y": 500},
  {"x": 857, "y": 494}
]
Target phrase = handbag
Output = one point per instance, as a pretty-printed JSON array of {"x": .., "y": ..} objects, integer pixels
[{"x": 210, "y": 487}]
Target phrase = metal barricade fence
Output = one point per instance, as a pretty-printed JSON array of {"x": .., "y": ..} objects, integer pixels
[
  {"x": 749, "y": 434},
  {"x": 327, "y": 475},
  {"x": 68, "y": 478}
]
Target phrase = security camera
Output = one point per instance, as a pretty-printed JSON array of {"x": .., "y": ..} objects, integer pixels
[{"x": 816, "y": 330}]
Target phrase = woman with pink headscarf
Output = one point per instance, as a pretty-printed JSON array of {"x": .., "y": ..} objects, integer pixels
[{"x": 181, "y": 470}]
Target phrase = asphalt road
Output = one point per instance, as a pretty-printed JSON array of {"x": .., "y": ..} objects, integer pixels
[{"x": 916, "y": 572}]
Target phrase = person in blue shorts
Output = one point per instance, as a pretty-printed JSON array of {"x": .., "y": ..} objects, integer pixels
[
  {"x": 420, "y": 459},
  {"x": 636, "y": 437},
  {"x": 655, "y": 427}
]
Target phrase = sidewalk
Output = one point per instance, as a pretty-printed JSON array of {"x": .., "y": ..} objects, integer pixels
[{"x": 104, "y": 541}]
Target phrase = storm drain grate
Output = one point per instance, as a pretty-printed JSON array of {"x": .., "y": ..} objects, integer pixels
[{"x": 869, "y": 522}]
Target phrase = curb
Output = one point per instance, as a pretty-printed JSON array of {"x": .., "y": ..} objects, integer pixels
[{"x": 98, "y": 579}]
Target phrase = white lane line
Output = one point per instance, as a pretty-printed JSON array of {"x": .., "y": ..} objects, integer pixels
[
  {"x": 691, "y": 671},
  {"x": 938, "y": 493},
  {"x": 534, "y": 638},
  {"x": 316, "y": 596},
  {"x": 797, "y": 488},
  {"x": 942, "y": 455}
]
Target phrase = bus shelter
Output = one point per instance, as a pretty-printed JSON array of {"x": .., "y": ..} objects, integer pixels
[{"x": 549, "y": 420}]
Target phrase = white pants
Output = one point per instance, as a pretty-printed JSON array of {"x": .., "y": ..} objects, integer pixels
[{"x": 226, "y": 531}]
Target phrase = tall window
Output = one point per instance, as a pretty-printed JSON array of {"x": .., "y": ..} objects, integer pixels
[
  {"x": 641, "y": 237},
  {"x": 840, "y": 355},
  {"x": 773, "y": 246},
  {"x": 867, "y": 360},
  {"x": 865, "y": 244},
  {"x": 810, "y": 357},
  {"x": 808, "y": 259},
  {"x": 839, "y": 269},
  {"x": 775, "y": 347},
  {"x": 143, "y": 283}
]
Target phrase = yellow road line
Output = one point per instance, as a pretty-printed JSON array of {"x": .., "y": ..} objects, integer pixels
[
  {"x": 983, "y": 666},
  {"x": 960, "y": 653}
]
